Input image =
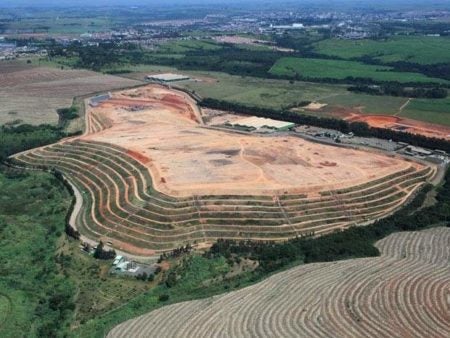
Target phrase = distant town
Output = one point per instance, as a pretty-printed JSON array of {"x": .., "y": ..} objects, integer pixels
[{"x": 23, "y": 42}]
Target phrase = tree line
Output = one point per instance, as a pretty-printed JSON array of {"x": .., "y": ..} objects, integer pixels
[
  {"x": 15, "y": 139},
  {"x": 401, "y": 91}
]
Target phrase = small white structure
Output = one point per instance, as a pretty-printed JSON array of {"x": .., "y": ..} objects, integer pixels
[
  {"x": 418, "y": 151},
  {"x": 258, "y": 123},
  {"x": 167, "y": 77},
  {"x": 96, "y": 100},
  {"x": 118, "y": 259}
]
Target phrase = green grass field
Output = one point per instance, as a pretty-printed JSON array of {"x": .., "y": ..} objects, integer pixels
[
  {"x": 183, "y": 46},
  {"x": 336, "y": 69},
  {"x": 262, "y": 92},
  {"x": 434, "y": 111},
  {"x": 418, "y": 49},
  {"x": 369, "y": 104}
]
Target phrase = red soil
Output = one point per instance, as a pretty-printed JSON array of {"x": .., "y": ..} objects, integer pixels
[
  {"x": 402, "y": 124},
  {"x": 138, "y": 156}
]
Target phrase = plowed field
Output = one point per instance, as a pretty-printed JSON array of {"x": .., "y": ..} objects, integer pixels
[{"x": 403, "y": 293}]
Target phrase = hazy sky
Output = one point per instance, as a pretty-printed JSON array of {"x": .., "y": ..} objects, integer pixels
[
  {"x": 67, "y": 3},
  {"x": 13, "y": 3}
]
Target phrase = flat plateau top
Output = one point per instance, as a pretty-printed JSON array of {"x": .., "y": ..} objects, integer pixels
[{"x": 161, "y": 129}]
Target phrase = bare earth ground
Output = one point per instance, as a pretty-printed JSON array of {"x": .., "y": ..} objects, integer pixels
[
  {"x": 287, "y": 186},
  {"x": 403, "y": 293},
  {"x": 184, "y": 158},
  {"x": 388, "y": 121},
  {"x": 402, "y": 124},
  {"x": 33, "y": 94}
]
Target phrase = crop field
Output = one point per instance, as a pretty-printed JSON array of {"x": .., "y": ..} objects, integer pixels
[
  {"x": 417, "y": 49},
  {"x": 402, "y": 293},
  {"x": 337, "y": 69},
  {"x": 152, "y": 177},
  {"x": 32, "y": 94}
]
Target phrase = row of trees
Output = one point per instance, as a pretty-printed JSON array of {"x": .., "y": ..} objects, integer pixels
[
  {"x": 175, "y": 253},
  {"x": 358, "y": 128},
  {"x": 401, "y": 91}
]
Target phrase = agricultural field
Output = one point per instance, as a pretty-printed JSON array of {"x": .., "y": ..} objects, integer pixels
[
  {"x": 402, "y": 293},
  {"x": 183, "y": 46},
  {"x": 32, "y": 93},
  {"x": 340, "y": 70},
  {"x": 176, "y": 181},
  {"x": 416, "y": 49}
]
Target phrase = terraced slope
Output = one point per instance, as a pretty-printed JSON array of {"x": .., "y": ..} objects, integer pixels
[
  {"x": 403, "y": 293},
  {"x": 121, "y": 206}
]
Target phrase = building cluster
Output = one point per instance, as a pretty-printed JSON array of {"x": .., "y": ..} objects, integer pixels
[
  {"x": 10, "y": 50},
  {"x": 124, "y": 266}
]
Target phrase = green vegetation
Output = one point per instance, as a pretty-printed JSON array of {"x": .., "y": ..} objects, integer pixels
[
  {"x": 193, "y": 277},
  {"x": 38, "y": 300},
  {"x": 67, "y": 114},
  {"x": 266, "y": 93},
  {"x": 184, "y": 46},
  {"x": 23, "y": 137},
  {"x": 400, "y": 91},
  {"x": 344, "y": 70},
  {"x": 47, "y": 284},
  {"x": 61, "y": 25},
  {"x": 434, "y": 111},
  {"x": 416, "y": 49},
  {"x": 367, "y": 104}
]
